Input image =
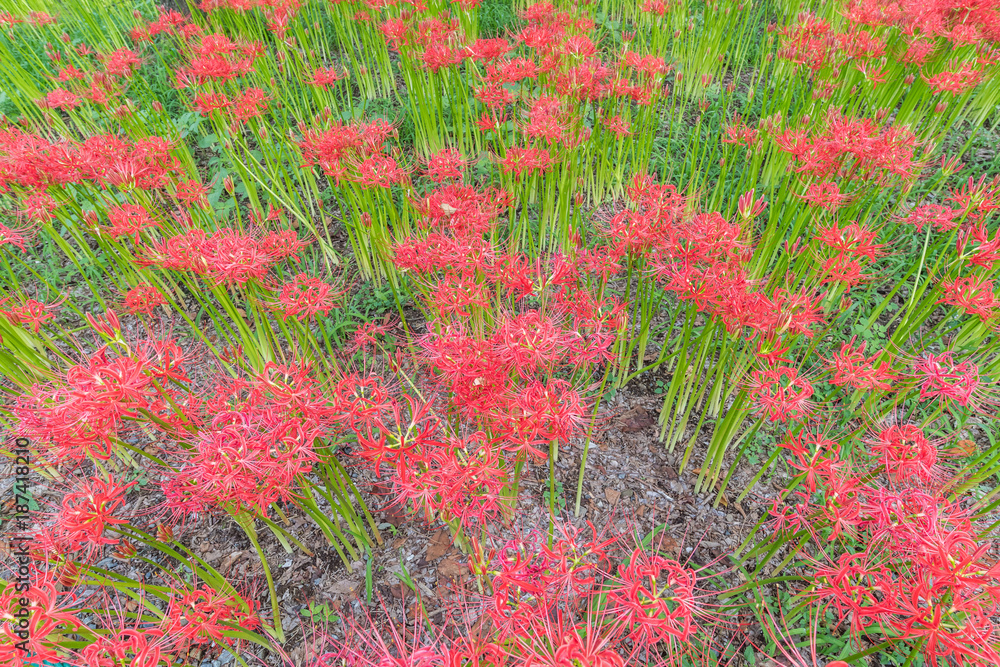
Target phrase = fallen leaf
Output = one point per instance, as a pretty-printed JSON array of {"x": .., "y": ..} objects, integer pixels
[
  {"x": 964, "y": 448},
  {"x": 395, "y": 515},
  {"x": 344, "y": 587},
  {"x": 612, "y": 495},
  {"x": 450, "y": 567},
  {"x": 671, "y": 547},
  {"x": 635, "y": 420},
  {"x": 440, "y": 543},
  {"x": 398, "y": 542}
]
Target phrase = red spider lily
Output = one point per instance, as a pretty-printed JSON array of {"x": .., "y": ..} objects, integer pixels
[
  {"x": 359, "y": 403},
  {"x": 456, "y": 293},
  {"x": 191, "y": 192},
  {"x": 915, "y": 567},
  {"x": 364, "y": 335},
  {"x": 202, "y": 615},
  {"x": 70, "y": 73},
  {"x": 780, "y": 393},
  {"x": 73, "y": 428},
  {"x": 145, "y": 165},
  {"x": 128, "y": 220},
  {"x": 987, "y": 250},
  {"x": 525, "y": 160},
  {"x": 941, "y": 218},
  {"x": 322, "y": 77},
  {"x": 486, "y": 50},
  {"x": 617, "y": 125},
  {"x": 808, "y": 42},
  {"x": 143, "y": 299},
  {"x": 656, "y": 598},
  {"x": 306, "y": 296},
  {"x": 905, "y": 452},
  {"x": 228, "y": 256},
  {"x": 851, "y": 367},
  {"x": 9, "y": 20},
  {"x": 378, "y": 171},
  {"x": 48, "y": 618},
  {"x": 363, "y": 647},
  {"x": 941, "y": 377},
  {"x": 206, "y": 103},
  {"x": 461, "y": 480},
  {"x": 541, "y": 413},
  {"x": 121, "y": 62},
  {"x": 817, "y": 456},
  {"x": 446, "y": 165},
  {"x": 560, "y": 643},
  {"x": 956, "y": 82},
  {"x": 87, "y": 512},
  {"x": 531, "y": 342},
  {"x": 18, "y": 237},
  {"x": 259, "y": 440},
  {"x": 59, "y": 99},
  {"x": 852, "y": 239},
  {"x": 495, "y": 97},
  {"x": 32, "y": 312},
  {"x": 248, "y": 104},
  {"x": 139, "y": 647},
  {"x": 37, "y": 208},
  {"x": 853, "y": 148},
  {"x": 973, "y": 295},
  {"x": 741, "y": 134},
  {"x": 81, "y": 416}
]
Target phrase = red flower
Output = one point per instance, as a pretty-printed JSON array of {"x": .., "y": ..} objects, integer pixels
[
  {"x": 87, "y": 511},
  {"x": 520, "y": 160},
  {"x": 306, "y": 296},
  {"x": 851, "y": 367},
  {"x": 128, "y": 220},
  {"x": 324, "y": 76},
  {"x": 143, "y": 299},
  {"x": 780, "y": 394},
  {"x": 940, "y": 377},
  {"x": 30, "y": 312},
  {"x": 972, "y": 294}
]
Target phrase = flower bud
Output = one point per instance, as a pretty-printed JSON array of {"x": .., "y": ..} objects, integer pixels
[
  {"x": 124, "y": 551},
  {"x": 164, "y": 533}
]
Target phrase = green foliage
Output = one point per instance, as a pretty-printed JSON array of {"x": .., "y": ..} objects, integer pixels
[{"x": 497, "y": 18}]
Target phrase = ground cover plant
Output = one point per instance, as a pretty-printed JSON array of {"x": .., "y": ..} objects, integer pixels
[{"x": 306, "y": 278}]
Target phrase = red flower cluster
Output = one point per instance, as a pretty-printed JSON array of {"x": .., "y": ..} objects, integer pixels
[
  {"x": 83, "y": 414},
  {"x": 226, "y": 257},
  {"x": 215, "y": 57},
  {"x": 258, "y": 436},
  {"x": 915, "y": 567},
  {"x": 564, "y": 601},
  {"x": 354, "y": 152},
  {"x": 852, "y": 149}
]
